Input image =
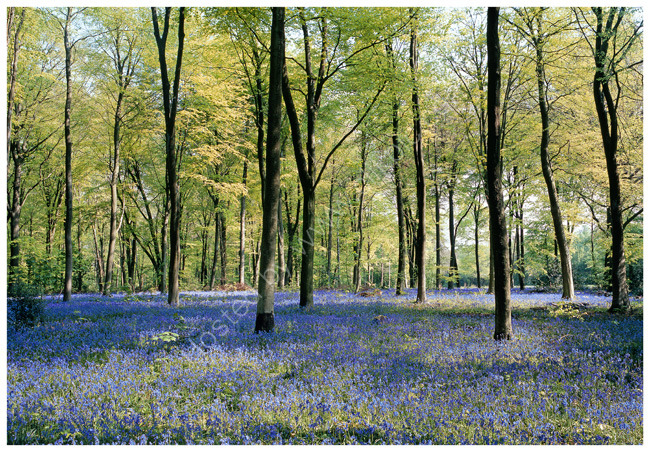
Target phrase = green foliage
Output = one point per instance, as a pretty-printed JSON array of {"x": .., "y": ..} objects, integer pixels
[{"x": 25, "y": 306}]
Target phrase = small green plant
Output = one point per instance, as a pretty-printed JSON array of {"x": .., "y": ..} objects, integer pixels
[
  {"x": 166, "y": 336},
  {"x": 25, "y": 306}
]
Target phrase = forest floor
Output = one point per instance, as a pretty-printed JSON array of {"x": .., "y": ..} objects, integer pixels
[{"x": 373, "y": 370}]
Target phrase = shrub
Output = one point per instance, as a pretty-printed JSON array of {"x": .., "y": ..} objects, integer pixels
[{"x": 25, "y": 306}]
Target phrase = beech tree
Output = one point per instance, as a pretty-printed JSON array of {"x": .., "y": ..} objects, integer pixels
[
  {"x": 498, "y": 228},
  {"x": 170, "y": 104},
  {"x": 265, "y": 318},
  {"x": 420, "y": 241},
  {"x": 533, "y": 29},
  {"x": 610, "y": 44}
]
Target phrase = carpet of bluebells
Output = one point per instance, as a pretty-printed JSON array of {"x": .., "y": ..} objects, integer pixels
[{"x": 129, "y": 369}]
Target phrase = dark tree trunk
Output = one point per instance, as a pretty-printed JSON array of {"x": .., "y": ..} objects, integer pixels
[
  {"x": 420, "y": 250},
  {"x": 14, "y": 71},
  {"x": 453, "y": 261},
  {"x": 170, "y": 103},
  {"x": 401, "y": 222},
  {"x": 307, "y": 262},
  {"x": 606, "y": 107},
  {"x": 292, "y": 229},
  {"x": 330, "y": 225},
  {"x": 359, "y": 245},
  {"x": 436, "y": 192},
  {"x": 223, "y": 255},
  {"x": 242, "y": 230},
  {"x": 266, "y": 290},
  {"x": 217, "y": 236},
  {"x": 15, "y": 208},
  {"x": 67, "y": 289},
  {"x": 498, "y": 227},
  {"x": 477, "y": 213},
  {"x": 282, "y": 269}
]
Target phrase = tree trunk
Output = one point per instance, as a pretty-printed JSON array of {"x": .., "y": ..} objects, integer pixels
[
  {"x": 330, "y": 224},
  {"x": 223, "y": 255},
  {"x": 477, "y": 213},
  {"x": 307, "y": 262},
  {"x": 606, "y": 107},
  {"x": 217, "y": 236},
  {"x": 359, "y": 244},
  {"x": 242, "y": 230},
  {"x": 281, "y": 261},
  {"x": 171, "y": 164},
  {"x": 14, "y": 72},
  {"x": 266, "y": 291},
  {"x": 115, "y": 171},
  {"x": 436, "y": 192},
  {"x": 400, "y": 282},
  {"x": 498, "y": 227},
  {"x": 15, "y": 209},
  {"x": 453, "y": 261},
  {"x": 560, "y": 237},
  {"x": 401, "y": 223},
  {"x": 67, "y": 289}
]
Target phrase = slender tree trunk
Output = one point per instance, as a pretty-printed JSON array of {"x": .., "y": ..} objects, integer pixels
[
  {"x": 115, "y": 171},
  {"x": 453, "y": 261},
  {"x": 556, "y": 212},
  {"x": 171, "y": 162},
  {"x": 330, "y": 224},
  {"x": 420, "y": 250},
  {"x": 522, "y": 259},
  {"x": 281, "y": 261},
  {"x": 15, "y": 209},
  {"x": 67, "y": 289},
  {"x": 498, "y": 227},
  {"x": 477, "y": 213},
  {"x": 359, "y": 244},
  {"x": 242, "y": 230},
  {"x": 436, "y": 192},
  {"x": 266, "y": 292},
  {"x": 401, "y": 223},
  {"x": 217, "y": 236},
  {"x": 223, "y": 255},
  {"x": 14, "y": 72},
  {"x": 99, "y": 262}
]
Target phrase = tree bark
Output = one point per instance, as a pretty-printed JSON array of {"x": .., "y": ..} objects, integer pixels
[
  {"x": 14, "y": 71},
  {"x": 401, "y": 223},
  {"x": 282, "y": 269},
  {"x": 170, "y": 103},
  {"x": 477, "y": 213},
  {"x": 67, "y": 289},
  {"x": 242, "y": 230},
  {"x": 420, "y": 250},
  {"x": 556, "y": 212},
  {"x": 359, "y": 244},
  {"x": 498, "y": 227},
  {"x": 266, "y": 291},
  {"x": 330, "y": 225},
  {"x": 606, "y": 107}
]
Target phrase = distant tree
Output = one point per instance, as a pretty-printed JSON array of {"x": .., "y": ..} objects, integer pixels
[{"x": 498, "y": 227}]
